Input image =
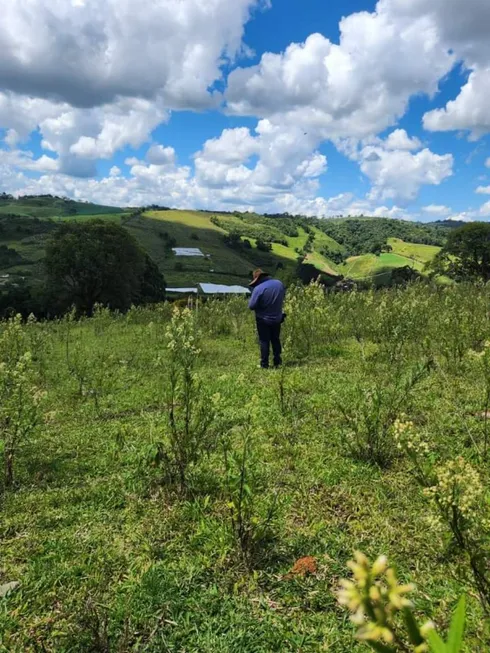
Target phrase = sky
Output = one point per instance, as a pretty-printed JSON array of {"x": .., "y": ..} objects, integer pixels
[{"x": 313, "y": 107}]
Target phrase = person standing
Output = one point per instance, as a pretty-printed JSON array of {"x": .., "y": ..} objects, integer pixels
[{"x": 268, "y": 301}]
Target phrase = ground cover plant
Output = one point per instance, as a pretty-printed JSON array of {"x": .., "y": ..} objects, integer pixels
[{"x": 160, "y": 493}]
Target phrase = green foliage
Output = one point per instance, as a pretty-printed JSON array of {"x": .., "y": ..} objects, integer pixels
[
  {"x": 371, "y": 410},
  {"x": 466, "y": 255},
  {"x": 263, "y": 230},
  {"x": 152, "y": 285},
  {"x": 307, "y": 324},
  {"x": 189, "y": 410},
  {"x": 263, "y": 245},
  {"x": 252, "y": 521},
  {"x": 99, "y": 263},
  {"x": 233, "y": 240},
  {"x": 334, "y": 255},
  {"x": 456, "y": 631},
  {"x": 9, "y": 257},
  {"x": 20, "y": 398},
  {"x": 361, "y": 236},
  {"x": 459, "y": 496}
]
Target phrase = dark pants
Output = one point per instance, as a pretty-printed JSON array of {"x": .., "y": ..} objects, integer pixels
[{"x": 269, "y": 334}]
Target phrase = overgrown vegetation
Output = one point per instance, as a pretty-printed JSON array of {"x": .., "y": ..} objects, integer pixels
[{"x": 161, "y": 493}]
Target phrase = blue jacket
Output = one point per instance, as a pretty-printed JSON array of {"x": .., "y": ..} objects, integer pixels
[{"x": 268, "y": 300}]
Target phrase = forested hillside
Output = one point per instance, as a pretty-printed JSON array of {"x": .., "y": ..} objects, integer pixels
[{"x": 360, "y": 236}]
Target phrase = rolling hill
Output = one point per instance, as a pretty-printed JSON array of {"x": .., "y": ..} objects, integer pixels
[
  {"x": 232, "y": 244},
  {"x": 222, "y": 264},
  {"x": 47, "y": 206}
]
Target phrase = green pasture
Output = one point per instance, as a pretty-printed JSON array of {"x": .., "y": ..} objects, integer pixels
[{"x": 108, "y": 552}]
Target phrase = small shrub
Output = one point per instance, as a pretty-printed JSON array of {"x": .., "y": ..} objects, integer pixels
[
  {"x": 189, "y": 411},
  {"x": 252, "y": 516},
  {"x": 263, "y": 246},
  {"x": 370, "y": 411},
  {"x": 20, "y": 398}
]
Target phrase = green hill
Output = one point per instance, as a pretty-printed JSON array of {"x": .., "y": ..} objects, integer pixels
[
  {"x": 27, "y": 222},
  {"x": 223, "y": 263},
  {"x": 378, "y": 268},
  {"x": 233, "y": 244},
  {"x": 48, "y": 206}
]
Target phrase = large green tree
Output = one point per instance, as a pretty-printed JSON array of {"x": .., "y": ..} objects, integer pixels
[
  {"x": 98, "y": 262},
  {"x": 466, "y": 254}
]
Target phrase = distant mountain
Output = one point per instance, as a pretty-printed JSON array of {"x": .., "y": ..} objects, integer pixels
[{"x": 448, "y": 224}]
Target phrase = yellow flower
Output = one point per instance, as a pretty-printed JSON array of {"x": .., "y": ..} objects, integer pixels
[
  {"x": 374, "y": 632},
  {"x": 380, "y": 566}
]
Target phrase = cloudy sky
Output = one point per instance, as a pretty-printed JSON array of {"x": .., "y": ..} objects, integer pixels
[{"x": 316, "y": 107}]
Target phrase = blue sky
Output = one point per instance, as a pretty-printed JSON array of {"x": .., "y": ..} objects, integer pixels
[{"x": 317, "y": 108}]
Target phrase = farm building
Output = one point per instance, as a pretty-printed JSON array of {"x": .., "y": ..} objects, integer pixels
[
  {"x": 220, "y": 289},
  {"x": 209, "y": 289},
  {"x": 187, "y": 251},
  {"x": 182, "y": 291}
]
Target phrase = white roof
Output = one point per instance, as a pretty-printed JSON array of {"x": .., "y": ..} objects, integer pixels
[
  {"x": 187, "y": 251},
  {"x": 219, "y": 289},
  {"x": 182, "y": 290}
]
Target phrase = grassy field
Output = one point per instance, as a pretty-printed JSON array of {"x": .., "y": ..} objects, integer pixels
[
  {"x": 369, "y": 265},
  {"x": 114, "y": 553},
  {"x": 420, "y": 253},
  {"x": 323, "y": 241}
]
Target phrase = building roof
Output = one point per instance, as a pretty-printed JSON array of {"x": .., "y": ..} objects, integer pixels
[
  {"x": 187, "y": 251},
  {"x": 185, "y": 291},
  {"x": 220, "y": 289}
]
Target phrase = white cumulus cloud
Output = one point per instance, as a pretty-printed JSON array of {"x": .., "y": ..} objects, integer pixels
[
  {"x": 400, "y": 140},
  {"x": 285, "y": 162},
  {"x": 469, "y": 111},
  {"x": 160, "y": 155},
  {"x": 93, "y": 52},
  {"x": 438, "y": 210},
  {"x": 399, "y": 174},
  {"x": 99, "y": 75},
  {"x": 352, "y": 89}
]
